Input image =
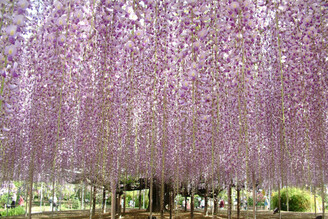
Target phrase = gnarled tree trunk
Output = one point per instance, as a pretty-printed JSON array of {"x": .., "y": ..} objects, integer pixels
[{"x": 156, "y": 196}]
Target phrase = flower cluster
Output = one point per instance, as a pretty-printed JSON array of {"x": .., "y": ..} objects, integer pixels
[{"x": 212, "y": 89}]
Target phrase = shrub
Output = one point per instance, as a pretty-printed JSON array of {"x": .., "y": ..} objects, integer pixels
[
  {"x": 14, "y": 211},
  {"x": 76, "y": 204},
  {"x": 4, "y": 200},
  {"x": 180, "y": 199},
  {"x": 259, "y": 199},
  {"x": 196, "y": 201},
  {"x": 299, "y": 200},
  {"x": 136, "y": 199},
  {"x": 250, "y": 201},
  {"x": 128, "y": 199}
]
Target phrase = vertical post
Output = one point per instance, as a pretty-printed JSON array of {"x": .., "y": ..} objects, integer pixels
[
  {"x": 26, "y": 195},
  {"x": 90, "y": 202},
  {"x": 8, "y": 197},
  {"x": 151, "y": 196},
  {"x": 112, "y": 212},
  {"x": 60, "y": 198},
  {"x": 238, "y": 203},
  {"x": 104, "y": 200},
  {"x": 82, "y": 197},
  {"x": 105, "y": 205},
  {"x": 118, "y": 203},
  {"x": 31, "y": 196},
  {"x": 133, "y": 199},
  {"x": 192, "y": 203},
  {"x": 124, "y": 202},
  {"x": 143, "y": 200},
  {"x": 41, "y": 197},
  {"x": 229, "y": 202},
  {"x": 171, "y": 203},
  {"x": 185, "y": 206},
  {"x": 215, "y": 207},
  {"x": 315, "y": 202},
  {"x": 53, "y": 198},
  {"x": 269, "y": 204},
  {"x": 323, "y": 199},
  {"x": 254, "y": 197},
  {"x": 287, "y": 198},
  {"x": 139, "y": 204},
  {"x": 94, "y": 201},
  {"x": 247, "y": 201},
  {"x": 206, "y": 202},
  {"x": 279, "y": 200}
]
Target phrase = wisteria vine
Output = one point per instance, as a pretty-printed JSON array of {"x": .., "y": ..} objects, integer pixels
[{"x": 181, "y": 91}]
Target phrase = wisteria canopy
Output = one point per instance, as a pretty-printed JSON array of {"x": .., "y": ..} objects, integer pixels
[{"x": 188, "y": 90}]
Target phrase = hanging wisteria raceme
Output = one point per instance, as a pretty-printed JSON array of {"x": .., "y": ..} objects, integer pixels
[
  {"x": 214, "y": 92},
  {"x": 13, "y": 28}
]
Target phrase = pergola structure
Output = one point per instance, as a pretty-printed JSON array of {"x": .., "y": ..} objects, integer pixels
[{"x": 181, "y": 91}]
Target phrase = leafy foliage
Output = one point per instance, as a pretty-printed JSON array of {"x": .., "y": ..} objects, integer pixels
[
  {"x": 135, "y": 198},
  {"x": 258, "y": 203},
  {"x": 299, "y": 200},
  {"x": 4, "y": 200},
  {"x": 14, "y": 211}
]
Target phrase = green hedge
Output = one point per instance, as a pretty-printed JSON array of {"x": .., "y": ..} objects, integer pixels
[{"x": 299, "y": 200}]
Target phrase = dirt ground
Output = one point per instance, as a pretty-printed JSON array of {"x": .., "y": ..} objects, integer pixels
[{"x": 136, "y": 214}]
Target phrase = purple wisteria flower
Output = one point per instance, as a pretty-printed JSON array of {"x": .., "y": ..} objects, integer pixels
[
  {"x": 11, "y": 50},
  {"x": 19, "y": 19},
  {"x": 11, "y": 30}
]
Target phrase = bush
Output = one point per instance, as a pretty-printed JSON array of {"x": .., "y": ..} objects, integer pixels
[
  {"x": 137, "y": 200},
  {"x": 180, "y": 199},
  {"x": 4, "y": 200},
  {"x": 76, "y": 204},
  {"x": 14, "y": 211},
  {"x": 250, "y": 201},
  {"x": 259, "y": 202},
  {"x": 128, "y": 198},
  {"x": 299, "y": 200},
  {"x": 260, "y": 199},
  {"x": 196, "y": 201}
]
